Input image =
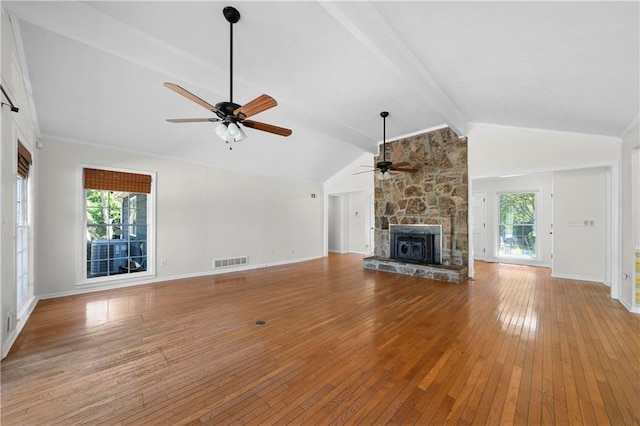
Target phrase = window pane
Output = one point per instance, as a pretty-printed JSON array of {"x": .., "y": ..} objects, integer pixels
[
  {"x": 19, "y": 203},
  {"x": 116, "y": 232},
  {"x": 96, "y": 215},
  {"x": 22, "y": 242},
  {"x": 96, "y": 232},
  {"x": 517, "y": 225}
]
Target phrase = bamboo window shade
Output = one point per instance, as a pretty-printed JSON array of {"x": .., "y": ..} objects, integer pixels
[
  {"x": 116, "y": 181},
  {"x": 24, "y": 160}
]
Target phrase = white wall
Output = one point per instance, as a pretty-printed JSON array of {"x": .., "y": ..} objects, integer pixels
[
  {"x": 202, "y": 214},
  {"x": 13, "y": 126},
  {"x": 500, "y": 150},
  {"x": 541, "y": 182},
  {"x": 579, "y": 224},
  {"x": 350, "y": 178}
]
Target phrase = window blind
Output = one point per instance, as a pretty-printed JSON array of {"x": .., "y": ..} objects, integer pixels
[
  {"x": 24, "y": 160},
  {"x": 116, "y": 181}
]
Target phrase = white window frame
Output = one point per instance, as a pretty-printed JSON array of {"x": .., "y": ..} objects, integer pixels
[
  {"x": 24, "y": 307},
  {"x": 22, "y": 226},
  {"x": 84, "y": 282},
  {"x": 538, "y": 228}
]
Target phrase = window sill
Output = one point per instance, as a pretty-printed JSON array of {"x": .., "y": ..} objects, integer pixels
[
  {"x": 116, "y": 281},
  {"x": 519, "y": 261}
]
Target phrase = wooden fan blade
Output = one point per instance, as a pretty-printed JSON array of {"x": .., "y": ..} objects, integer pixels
[
  {"x": 267, "y": 127},
  {"x": 191, "y": 120},
  {"x": 259, "y": 104},
  {"x": 366, "y": 171},
  {"x": 187, "y": 94},
  {"x": 401, "y": 164},
  {"x": 401, "y": 169}
]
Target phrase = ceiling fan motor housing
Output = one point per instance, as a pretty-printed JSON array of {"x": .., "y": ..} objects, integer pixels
[
  {"x": 383, "y": 165},
  {"x": 226, "y": 109}
]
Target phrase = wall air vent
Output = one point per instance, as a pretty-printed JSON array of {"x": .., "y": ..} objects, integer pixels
[{"x": 230, "y": 262}]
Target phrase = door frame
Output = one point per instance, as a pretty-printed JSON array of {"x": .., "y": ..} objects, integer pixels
[{"x": 482, "y": 256}]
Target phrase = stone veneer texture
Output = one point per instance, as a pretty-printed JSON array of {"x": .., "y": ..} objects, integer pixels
[{"x": 436, "y": 194}]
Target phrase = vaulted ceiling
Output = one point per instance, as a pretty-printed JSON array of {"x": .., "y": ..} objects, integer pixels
[{"x": 96, "y": 70}]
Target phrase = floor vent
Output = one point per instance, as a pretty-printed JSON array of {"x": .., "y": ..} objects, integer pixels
[{"x": 231, "y": 262}]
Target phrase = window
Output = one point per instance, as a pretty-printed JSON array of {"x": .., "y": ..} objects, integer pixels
[
  {"x": 23, "y": 292},
  {"x": 116, "y": 222},
  {"x": 517, "y": 225},
  {"x": 22, "y": 242}
]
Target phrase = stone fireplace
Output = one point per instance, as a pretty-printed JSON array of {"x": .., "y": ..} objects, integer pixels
[{"x": 428, "y": 207}]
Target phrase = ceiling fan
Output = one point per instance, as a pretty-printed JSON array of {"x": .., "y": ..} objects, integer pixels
[
  {"x": 230, "y": 114},
  {"x": 384, "y": 167}
]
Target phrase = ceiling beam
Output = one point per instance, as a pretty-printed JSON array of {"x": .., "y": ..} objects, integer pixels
[
  {"x": 87, "y": 25},
  {"x": 363, "y": 21}
]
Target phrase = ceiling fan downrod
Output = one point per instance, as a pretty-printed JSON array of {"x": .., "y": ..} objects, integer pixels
[
  {"x": 232, "y": 16},
  {"x": 384, "y": 115}
]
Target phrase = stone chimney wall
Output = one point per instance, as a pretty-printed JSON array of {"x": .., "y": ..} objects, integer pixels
[{"x": 436, "y": 194}]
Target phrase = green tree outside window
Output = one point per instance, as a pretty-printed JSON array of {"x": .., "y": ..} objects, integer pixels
[{"x": 518, "y": 225}]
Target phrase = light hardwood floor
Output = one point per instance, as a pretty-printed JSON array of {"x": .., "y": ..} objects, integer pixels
[{"x": 340, "y": 345}]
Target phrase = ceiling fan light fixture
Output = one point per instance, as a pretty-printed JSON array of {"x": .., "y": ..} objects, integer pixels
[
  {"x": 384, "y": 175},
  {"x": 230, "y": 132},
  {"x": 242, "y": 135},
  {"x": 234, "y": 131},
  {"x": 222, "y": 131}
]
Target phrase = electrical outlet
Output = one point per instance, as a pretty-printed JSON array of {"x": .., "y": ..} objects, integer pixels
[
  {"x": 163, "y": 263},
  {"x": 11, "y": 321}
]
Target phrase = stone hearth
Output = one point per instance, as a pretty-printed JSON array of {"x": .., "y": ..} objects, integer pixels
[{"x": 450, "y": 274}]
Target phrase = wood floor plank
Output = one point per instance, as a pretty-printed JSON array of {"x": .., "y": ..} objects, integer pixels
[{"x": 341, "y": 345}]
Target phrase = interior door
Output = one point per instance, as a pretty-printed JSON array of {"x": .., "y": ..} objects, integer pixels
[
  {"x": 479, "y": 212},
  {"x": 336, "y": 226},
  {"x": 372, "y": 221}
]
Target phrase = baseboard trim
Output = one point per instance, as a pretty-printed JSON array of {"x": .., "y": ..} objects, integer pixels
[
  {"x": 155, "y": 280},
  {"x": 579, "y": 278},
  {"x": 633, "y": 310},
  {"x": 24, "y": 317},
  {"x": 515, "y": 261}
]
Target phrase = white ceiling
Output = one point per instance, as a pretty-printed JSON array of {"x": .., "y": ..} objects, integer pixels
[{"x": 97, "y": 68}]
